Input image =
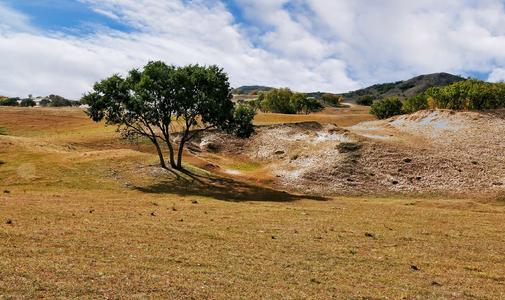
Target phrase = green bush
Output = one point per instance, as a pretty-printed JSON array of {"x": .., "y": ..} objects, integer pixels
[
  {"x": 468, "y": 94},
  {"x": 386, "y": 108},
  {"x": 366, "y": 100},
  {"x": 415, "y": 103},
  {"x": 243, "y": 117},
  {"x": 59, "y": 101},
  {"x": 9, "y": 102},
  {"x": 28, "y": 102},
  {"x": 45, "y": 102},
  {"x": 284, "y": 101},
  {"x": 331, "y": 99}
]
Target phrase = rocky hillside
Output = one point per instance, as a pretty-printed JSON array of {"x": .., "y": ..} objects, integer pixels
[{"x": 404, "y": 88}]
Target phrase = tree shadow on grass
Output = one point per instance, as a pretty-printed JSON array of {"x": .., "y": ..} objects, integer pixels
[{"x": 186, "y": 183}]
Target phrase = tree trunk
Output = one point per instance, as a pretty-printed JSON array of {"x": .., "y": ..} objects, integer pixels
[
  {"x": 160, "y": 154},
  {"x": 171, "y": 154},
  {"x": 179, "y": 152}
]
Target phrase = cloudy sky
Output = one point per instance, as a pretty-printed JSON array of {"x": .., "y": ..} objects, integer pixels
[{"x": 63, "y": 46}]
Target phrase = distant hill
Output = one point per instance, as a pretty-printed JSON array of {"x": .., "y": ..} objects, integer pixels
[
  {"x": 404, "y": 89},
  {"x": 248, "y": 89}
]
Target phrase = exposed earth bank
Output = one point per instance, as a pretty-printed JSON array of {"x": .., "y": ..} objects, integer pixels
[{"x": 429, "y": 152}]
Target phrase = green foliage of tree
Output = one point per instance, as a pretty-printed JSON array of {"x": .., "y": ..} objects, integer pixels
[
  {"x": 278, "y": 101},
  {"x": 28, "y": 102},
  {"x": 415, "y": 103},
  {"x": 242, "y": 121},
  {"x": 160, "y": 100},
  {"x": 468, "y": 94},
  {"x": 284, "y": 101},
  {"x": 332, "y": 99},
  {"x": 59, "y": 101},
  {"x": 366, "y": 100},
  {"x": 45, "y": 102},
  {"x": 386, "y": 108},
  {"x": 9, "y": 102}
]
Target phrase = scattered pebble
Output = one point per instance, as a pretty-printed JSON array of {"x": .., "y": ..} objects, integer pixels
[
  {"x": 370, "y": 235},
  {"x": 415, "y": 268},
  {"x": 9, "y": 222},
  {"x": 91, "y": 211}
]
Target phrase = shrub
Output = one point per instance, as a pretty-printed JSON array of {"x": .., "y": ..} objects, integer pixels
[
  {"x": 59, "y": 101},
  {"x": 305, "y": 104},
  {"x": 45, "y": 102},
  {"x": 332, "y": 99},
  {"x": 284, "y": 101},
  {"x": 28, "y": 102},
  {"x": 277, "y": 101},
  {"x": 386, "y": 108},
  {"x": 9, "y": 102},
  {"x": 415, "y": 103},
  {"x": 468, "y": 94},
  {"x": 243, "y": 117},
  {"x": 366, "y": 100}
]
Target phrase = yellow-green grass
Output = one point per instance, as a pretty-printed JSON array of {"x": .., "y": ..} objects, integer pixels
[{"x": 88, "y": 222}]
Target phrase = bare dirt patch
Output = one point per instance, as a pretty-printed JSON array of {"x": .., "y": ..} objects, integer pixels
[{"x": 440, "y": 152}]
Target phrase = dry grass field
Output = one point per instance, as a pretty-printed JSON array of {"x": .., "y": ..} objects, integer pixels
[{"x": 85, "y": 215}]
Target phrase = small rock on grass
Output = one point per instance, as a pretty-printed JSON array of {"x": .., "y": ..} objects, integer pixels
[{"x": 370, "y": 235}]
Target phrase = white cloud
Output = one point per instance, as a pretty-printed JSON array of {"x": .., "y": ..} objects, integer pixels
[
  {"x": 13, "y": 20},
  {"x": 307, "y": 45},
  {"x": 497, "y": 75}
]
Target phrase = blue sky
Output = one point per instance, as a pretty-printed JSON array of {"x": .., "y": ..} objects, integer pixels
[
  {"x": 63, "y": 15},
  {"x": 63, "y": 46}
]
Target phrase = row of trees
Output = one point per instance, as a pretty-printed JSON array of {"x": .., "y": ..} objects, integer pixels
[
  {"x": 169, "y": 105},
  {"x": 470, "y": 94},
  {"x": 51, "y": 100},
  {"x": 285, "y": 101}
]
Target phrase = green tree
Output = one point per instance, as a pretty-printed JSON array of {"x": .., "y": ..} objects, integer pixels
[
  {"x": 160, "y": 101},
  {"x": 45, "y": 102},
  {"x": 278, "y": 101},
  {"x": 332, "y": 99},
  {"x": 9, "y": 102},
  {"x": 415, "y": 103},
  {"x": 28, "y": 102},
  {"x": 243, "y": 117},
  {"x": 305, "y": 104},
  {"x": 284, "y": 101},
  {"x": 366, "y": 100},
  {"x": 386, "y": 108}
]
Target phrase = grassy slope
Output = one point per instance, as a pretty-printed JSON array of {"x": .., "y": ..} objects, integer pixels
[{"x": 88, "y": 221}]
